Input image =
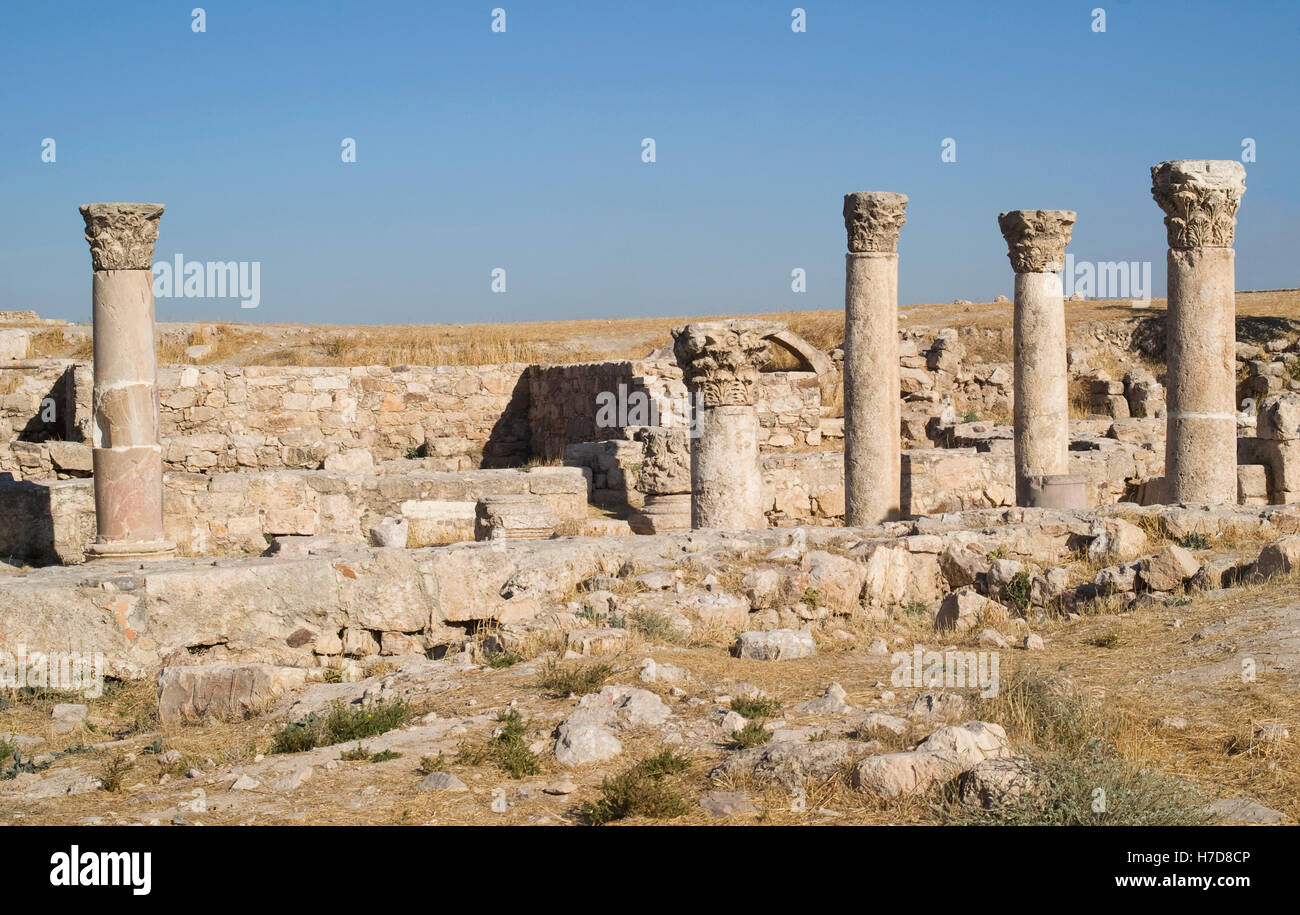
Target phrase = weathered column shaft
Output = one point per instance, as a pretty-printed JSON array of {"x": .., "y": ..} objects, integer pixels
[
  {"x": 726, "y": 475},
  {"x": 127, "y": 455},
  {"x": 1036, "y": 241},
  {"x": 720, "y": 362},
  {"x": 872, "y": 444},
  {"x": 1200, "y": 199}
]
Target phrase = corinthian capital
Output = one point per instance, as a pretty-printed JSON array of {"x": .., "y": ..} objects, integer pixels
[
  {"x": 873, "y": 219},
  {"x": 121, "y": 235},
  {"x": 720, "y": 360},
  {"x": 1200, "y": 199},
  {"x": 1036, "y": 239}
]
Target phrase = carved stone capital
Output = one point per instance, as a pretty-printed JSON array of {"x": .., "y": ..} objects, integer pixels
[
  {"x": 121, "y": 235},
  {"x": 1036, "y": 239},
  {"x": 720, "y": 360},
  {"x": 873, "y": 218},
  {"x": 666, "y": 466},
  {"x": 1200, "y": 199}
]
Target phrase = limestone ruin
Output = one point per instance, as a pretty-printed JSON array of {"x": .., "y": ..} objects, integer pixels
[{"x": 328, "y": 532}]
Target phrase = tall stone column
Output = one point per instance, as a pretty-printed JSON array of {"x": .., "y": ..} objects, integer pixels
[
  {"x": 1200, "y": 199},
  {"x": 872, "y": 447},
  {"x": 126, "y": 451},
  {"x": 1036, "y": 241},
  {"x": 720, "y": 362}
]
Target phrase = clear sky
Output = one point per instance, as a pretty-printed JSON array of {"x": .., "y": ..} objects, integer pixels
[{"x": 522, "y": 149}]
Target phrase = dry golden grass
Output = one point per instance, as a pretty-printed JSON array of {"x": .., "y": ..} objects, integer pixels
[
  {"x": 1263, "y": 314},
  {"x": 55, "y": 344}
]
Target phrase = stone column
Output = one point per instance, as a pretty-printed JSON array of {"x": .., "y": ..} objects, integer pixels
[
  {"x": 1200, "y": 200},
  {"x": 872, "y": 446},
  {"x": 1036, "y": 241},
  {"x": 720, "y": 362},
  {"x": 665, "y": 478},
  {"x": 127, "y": 454}
]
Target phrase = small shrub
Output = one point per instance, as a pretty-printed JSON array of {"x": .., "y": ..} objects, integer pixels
[
  {"x": 755, "y": 706},
  {"x": 971, "y": 417},
  {"x": 1043, "y": 711},
  {"x": 7, "y": 749},
  {"x": 385, "y": 756},
  {"x": 507, "y": 749},
  {"x": 559, "y": 680},
  {"x": 1109, "y": 640},
  {"x": 753, "y": 734},
  {"x": 812, "y": 598},
  {"x": 646, "y": 789},
  {"x": 499, "y": 659},
  {"x": 113, "y": 771},
  {"x": 1019, "y": 589},
  {"x": 1090, "y": 787},
  {"x": 431, "y": 764},
  {"x": 916, "y": 608},
  {"x": 657, "y": 627},
  {"x": 356, "y": 754},
  {"x": 342, "y": 724},
  {"x": 1194, "y": 541}
]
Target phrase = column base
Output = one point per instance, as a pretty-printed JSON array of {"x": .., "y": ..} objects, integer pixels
[
  {"x": 150, "y": 550},
  {"x": 1055, "y": 490},
  {"x": 663, "y": 512}
]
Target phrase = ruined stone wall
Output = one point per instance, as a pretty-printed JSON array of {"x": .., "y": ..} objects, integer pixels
[
  {"x": 235, "y": 514},
  {"x": 26, "y": 386},
  {"x": 256, "y": 417},
  {"x": 809, "y": 488},
  {"x": 564, "y": 404}
]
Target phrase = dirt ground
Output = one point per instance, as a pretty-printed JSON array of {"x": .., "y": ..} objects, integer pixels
[{"x": 1181, "y": 659}]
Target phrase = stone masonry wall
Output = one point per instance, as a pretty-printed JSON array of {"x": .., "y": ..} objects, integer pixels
[
  {"x": 235, "y": 514},
  {"x": 564, "y": 404}
]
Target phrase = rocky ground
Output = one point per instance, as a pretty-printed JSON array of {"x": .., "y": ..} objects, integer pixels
[{"x": 632, "y": 720}]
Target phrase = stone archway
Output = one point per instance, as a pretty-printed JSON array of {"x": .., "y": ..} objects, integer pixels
[{"x": 810, "y": 357}]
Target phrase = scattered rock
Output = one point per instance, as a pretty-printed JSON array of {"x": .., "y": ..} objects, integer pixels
[
  {"x": 775, "y": 645},
  {"x": 1279, "y": 557},
  {"x": 1167, "y": 569},
  {"x": 790, "y": 764},
  {"x": 831, "y": 702},
  {"x": 878, "y": 724},
  {"x": 991, "y": 638},
  {"x": 443, "y": 781},
  {"x": 965, "y": 608},
  {"x": 728, "y": 804},
  {"x": 1242, "y": 811},
  {"x": 68, "y": 717},
  {"x": 654, "y": 672},
  {"x": 293, "y": 779},
  {"x": 998, "y": 781}
]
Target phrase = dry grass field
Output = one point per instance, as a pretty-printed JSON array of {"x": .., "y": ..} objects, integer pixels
[{"x": 574, "y": 341}]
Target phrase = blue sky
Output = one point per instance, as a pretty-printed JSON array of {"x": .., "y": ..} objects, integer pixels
[{"x": 522, "y": 149}]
